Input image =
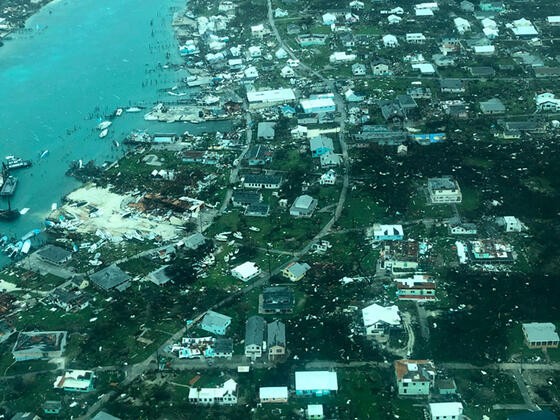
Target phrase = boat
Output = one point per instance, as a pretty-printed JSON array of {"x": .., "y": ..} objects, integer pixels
[
  {"x": 103, "y": 133},
  {"x": 44, "y": 154},
  {"x": 13, "y": 162},
  {"x": 221, "y": 238},
  {"x": 8, "y": 215},
  {"x": 133, "y": 109},
  {"x": 116, "y": 143},
  {"x": 118, "y": 112},
  {"x": 9, "y": 186},
  {"x": 254, "y": 229},
  {"x": 26, "y": 247},
  {"x": 103, "y": 125},
  {"x": 30, "y": 234},
  {"x": 238, "y": 235}
]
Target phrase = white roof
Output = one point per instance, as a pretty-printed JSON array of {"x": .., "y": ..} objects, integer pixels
[
  {"x": 303, "y": 201},
  {"x": 314, "y": 409},
  {"x": 425, "y": 68},
  {"x": 317, "y": 103},
  {"x": 273, "y": 392},
  {"x": 488, "y": 23},
  {"x": 484, "y": 49},
  {"x": 553, "y": 19},
  {"x": 316, "y": 380},
  {"x": 229, "y": 386},
  {"x": 245, "y": 270},
  {"x": 446, "y": 409},
  {"x": 274, "y": 95},
  {"x": 372, "y": 314},
  {"x": 461, "y": 22},
  {"x": 79, "y": 379},
  {"x": 541, "y": 331},
  {"x": 424, "y": 12},
  {"x": 383, "y": 230},
  {"x": 389, "y": 38},
  {"x": 430, "y": 5}
]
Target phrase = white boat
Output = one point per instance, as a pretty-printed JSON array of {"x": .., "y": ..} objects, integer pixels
[
  {"x": 133, "y": 109},
  {"x": 103, "y": 125},
  {"x": 221, "y": 238},
  {"x": 254, "y": 229},
  {"x": 118, "y": 112},
  {"x": 238, "y": 235},
  {"x": 104, "y": 133},
  {"x": 26, "y": 247}
]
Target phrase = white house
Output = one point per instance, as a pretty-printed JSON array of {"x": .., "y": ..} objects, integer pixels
[
  {"x": 287, "y": 71},
  {"x": 547, "y": 102},
  {"x": 512, "y": 224},
  {"x": 328, "y": 178},
  {"x": 341, "y": 57},
  {"x": 377, "y": 319},
  {"x": 484, "y": 49},
  {"x": 258, "y": 30},
  {"x": 251, "y": 72},
  {"x": 462, "y": 25},
  {"x": 329, "y": 19},
  {"x": 553, "y": 20},
  {"x": 414, "y": 377},
  {"x": 246, "y": 271},
  {"x": 415, "y": 38},
  {"x": 394, "y": 19},
  {"x": 255, "y": 51},
  {"x": 226, "y": 394},
  {"x": 541, "y": 335},
  {"x": 317, "y": 383},
  {"x": 273, "y": 394},
  {"x": 444, "y": 190},
  {"x": 522, "y": 27},
  {"x": 446, "y": 411},
  {"x": 390, "y": 41}
]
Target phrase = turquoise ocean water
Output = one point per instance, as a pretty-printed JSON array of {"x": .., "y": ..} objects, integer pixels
[{"x": 76, "y": 61}]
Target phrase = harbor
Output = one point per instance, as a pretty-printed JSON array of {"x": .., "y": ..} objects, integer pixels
[{"x": 44, "y": 139}]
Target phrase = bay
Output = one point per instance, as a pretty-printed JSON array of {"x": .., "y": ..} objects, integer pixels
[{"x": 76, "y": 62}]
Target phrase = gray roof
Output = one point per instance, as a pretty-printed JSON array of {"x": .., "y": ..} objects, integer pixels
[
  {"x": 258, "y": 151},
  {"x": 482, "y": 71},
  {"x": 407, "y": 102},
  {"x": 451, "y": 84},
  {"x": 254, "y": 330},
  {"x": 194, "y": 241},
  {"x": 215, "y": 319},
  {"x": 257, "y": 210},
  {"x": 110, "y": 277},
  {"x": 540, "y": 331},
  {"x": 492, "y": 105},
  {"x": 320, "y": 142},
  {"x": 246, "y": 197},
  {"x": 303, "y": 202},
  {"x": 276, "y": 334},
  {"x": 443, "y": 183},
  {"x": 298, "y": 269},
  {"x": 102, "y": 415},
  {"x": 265, "y": 129},
  {"x": 278, "y": 297},
  {"x": 262, "y": 179},
  {"x": 54, "y": 254},
  {"x": 223, "y": 345}
]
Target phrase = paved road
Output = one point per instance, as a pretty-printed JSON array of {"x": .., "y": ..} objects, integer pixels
[
  {"x": 518, "y": 376},
  {"x": 235, "y": 169}
]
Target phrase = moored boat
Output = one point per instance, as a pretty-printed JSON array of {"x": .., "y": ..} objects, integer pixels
[
  {"x": 13, "y": 162},
  {"x": 103, "y": 133}
]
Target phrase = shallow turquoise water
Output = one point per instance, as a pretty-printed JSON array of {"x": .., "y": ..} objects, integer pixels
[{"x": 77, "y": 61}]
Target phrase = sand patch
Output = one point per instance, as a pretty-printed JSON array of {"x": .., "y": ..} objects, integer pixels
[{"x": 104, "y": 211}]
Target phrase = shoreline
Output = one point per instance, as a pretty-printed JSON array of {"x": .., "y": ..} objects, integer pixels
[
  {"x": 18, "y": 23},
  {"x": 14, "y": 237}
]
